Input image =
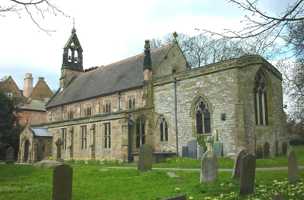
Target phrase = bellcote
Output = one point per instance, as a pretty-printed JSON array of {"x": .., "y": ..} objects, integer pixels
[{"x": 72, "y": 53}]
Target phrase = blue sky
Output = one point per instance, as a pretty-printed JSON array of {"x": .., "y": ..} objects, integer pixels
[{"x": 108, "y": 31}]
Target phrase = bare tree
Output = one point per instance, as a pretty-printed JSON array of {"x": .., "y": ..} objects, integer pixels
[{"x": 34, "y": 9}]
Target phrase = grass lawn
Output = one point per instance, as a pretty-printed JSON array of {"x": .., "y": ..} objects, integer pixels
[
  {"x": 229, "y": 163},
  {"x": 95, "y": 182}
]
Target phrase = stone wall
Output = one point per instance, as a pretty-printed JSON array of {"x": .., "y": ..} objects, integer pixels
[{"x": 31, "y": 117}]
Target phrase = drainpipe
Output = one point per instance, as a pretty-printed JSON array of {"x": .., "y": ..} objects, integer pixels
[{"x": 175, "y": 113}]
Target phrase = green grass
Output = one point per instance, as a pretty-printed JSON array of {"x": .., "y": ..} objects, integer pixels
[
  {"x": 280, "y": 161},
  {"x": 94, "y": 182}
]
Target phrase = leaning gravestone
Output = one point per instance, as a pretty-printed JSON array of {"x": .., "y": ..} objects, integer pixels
[
  {"x": 237, "y": 164},
  {"x": 192, "y": 148},
  {"x": 209, "y": 164},
  {"x": 182, "y": 197},
  {"x": 247, "y": 174},
  {"x": 218, "y": 148},
  {"x": 145, "y": 158},
  {"x": 10, "y": 155},
  {"x": 293, "y": 170},
  {"x": 62, "y": 182}
]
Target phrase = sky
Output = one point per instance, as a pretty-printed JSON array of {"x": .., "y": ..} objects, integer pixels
[{"x": 108, "y": 30}]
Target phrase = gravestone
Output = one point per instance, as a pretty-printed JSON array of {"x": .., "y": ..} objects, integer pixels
[
  {"x": 209, "y": 167},
  {"x": 266, "y": 152},
  {"x": 181, "y": 197},
  {"x": 145, "y": 158},
  {"x": 10, "y": 155},
  {"x": 247, "y": 174},
  {"x": 185, "y": 152},
  {"x": 293, "y": 169},
  {"x": 218, "y": 148},
  {"x": 192, "y": 149},
  {"x": 237, "y": 164},
  {"x": 284, "y": 148},
  {"x": 62, "y": 182},
  {"x": 278, "y": 197}
]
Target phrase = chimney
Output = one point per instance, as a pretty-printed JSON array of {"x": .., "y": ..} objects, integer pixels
[
  {"x": 41, "y": 78},
  {"x": 28, "y": 85},
  {"x": 147, "y": 62}
]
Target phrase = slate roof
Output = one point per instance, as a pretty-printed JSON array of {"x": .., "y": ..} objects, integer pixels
[
  {"x": 119, "y": 76},
  {"x": 41, "y": 132}
]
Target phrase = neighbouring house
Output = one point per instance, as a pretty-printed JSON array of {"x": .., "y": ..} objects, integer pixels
[
  {"x": 31, "y": 102},
  {"x": 155, "y": 98}
]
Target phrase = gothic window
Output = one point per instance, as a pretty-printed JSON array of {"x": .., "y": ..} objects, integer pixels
[
  {"x": 203, "y": 119},
  {"x": 84, "y": 137},
  {"x": 64, "y": 137},
  {"x": 70, "y": 55},
  {"x": 107, "y": 135},
  {"x": 163, "y": 126},
  {"x": 140, "y": 132},
  {"x": 75, "y": 56},
  {"x": 260, "y": 99}
]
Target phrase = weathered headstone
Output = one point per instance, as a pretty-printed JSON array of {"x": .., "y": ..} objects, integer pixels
[
  {"x": 237, "y": 164},
  {"x": 10, "y": 155},
  {"x": 293, "y": 169},
  {"x": 218, "y": 149},
  {"x": 145, "y": 158},
  {"x": 209, "y": 165},
  {"x": 181, "y": 197},
  {"x": 185, "y": 152},
  {"x": 192, "y": 148},
  {"x": 247, "y": 174},
  {"x": 278, "y": 197},
  {"x": 62, "y": 182}
]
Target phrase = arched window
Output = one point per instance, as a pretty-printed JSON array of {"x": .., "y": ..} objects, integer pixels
[
  {"x": 70, "y": 55},
  {"x": 203, "y": 121},
  {"x": 163, "y": 127},
  {"x": 75, "y": 56},
  {"x": 140, "y": 132},
  {"x": 260, "y": 99}
]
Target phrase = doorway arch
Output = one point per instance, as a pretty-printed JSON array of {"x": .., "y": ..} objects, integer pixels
[{"x": 26, "y": 151}]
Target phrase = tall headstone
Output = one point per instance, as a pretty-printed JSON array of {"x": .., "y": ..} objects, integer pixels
[
  {"x": 237, "y": 164},
  {"x": 185, "y": 151},
  {"x": 293, "y": 169},
  {"x": 145, "y": 158},
  {"x": 209, "y": 165},
  {"x": 247, "y": 174},
  {"x": 192, "y": 148},
  {"x": 218, "y": 148},
  {"x": 62, "y": 182},
  {"x": 181, "y": 197},
  {"x": 10, "y": 155}
]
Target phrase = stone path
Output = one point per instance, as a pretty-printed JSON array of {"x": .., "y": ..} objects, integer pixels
[{"x": 197, "y": 170}]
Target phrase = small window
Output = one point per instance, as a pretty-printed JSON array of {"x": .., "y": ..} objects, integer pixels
[
  {"x": 64, "y": 138},
  {"x": 70, "y": 115},
  {"x": 83, "y": 137},
  {"x": 107, "y": 107},
  {"x": 88, "y": 111},
  {"x": 163, "y": 126},
  {"x": 107, "y": 135},
  {"x": 131, "y": 103}
]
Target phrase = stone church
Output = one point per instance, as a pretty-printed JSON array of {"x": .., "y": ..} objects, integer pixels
[{"x": 108, "y": 112}]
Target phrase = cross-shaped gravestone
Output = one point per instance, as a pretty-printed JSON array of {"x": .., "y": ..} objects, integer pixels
[
  {"x": 10, "y": 155},
  {"x": 237, "y": 164},
  {"x": 181, "y": 197},
  {"x": 145, "y": 158},
  {"x": 62, "y": 182},
  {"x": 293, "y": 169},
  {"x": 247, "y": 174}
]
